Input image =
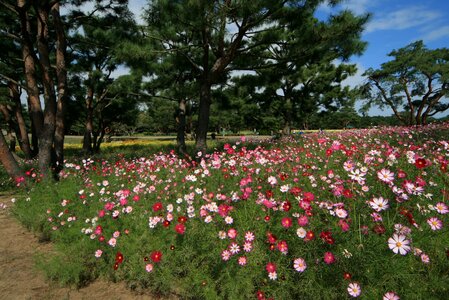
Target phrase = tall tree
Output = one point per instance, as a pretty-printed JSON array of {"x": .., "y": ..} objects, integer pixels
[
  {"x": 415, "y": 80},
  {"x": 97, "y": 35},
  {"x": 37, "y": 55},
  {"x": 212, "y": 34}
]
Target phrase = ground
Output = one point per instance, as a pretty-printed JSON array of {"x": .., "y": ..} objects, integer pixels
[{"x": 20, "y": 280}]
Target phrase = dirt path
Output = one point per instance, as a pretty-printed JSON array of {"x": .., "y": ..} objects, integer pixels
[{"x": 18, "y": 278}]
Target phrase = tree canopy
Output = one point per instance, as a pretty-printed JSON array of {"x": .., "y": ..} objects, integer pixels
[{"x": 414, "y": 84}]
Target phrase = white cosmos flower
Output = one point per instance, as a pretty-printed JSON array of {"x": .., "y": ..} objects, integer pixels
[{"x": 398, "y": 243}]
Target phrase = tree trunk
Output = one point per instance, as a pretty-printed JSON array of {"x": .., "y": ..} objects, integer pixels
[
  {"x": 203, "y": 117},
  {"x": 181, "y": 120},
  {"x": 8, "y": 161},
  {"x": 61, "y": 74},
  {"x": 87, "y": 140},
  {"x": 28, "y": 56},
  {"x": 11, "y": 141},
  {"x": 287, "y": 117},
  {"x": 21, "y": 133},
  {"x": 46, "y": 138}
]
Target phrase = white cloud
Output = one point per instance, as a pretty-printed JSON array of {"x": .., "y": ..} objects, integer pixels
[
  {"x": 403, "y": 19},
  {"x": 435, "y": 34},
  {"x": 358, "y": 6}
]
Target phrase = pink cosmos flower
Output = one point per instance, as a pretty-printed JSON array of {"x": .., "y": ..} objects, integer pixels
[
  {"x": 247, "y": 246},
  {"x": 112, "y": 242},
  {"x": 149, "y": 268},
  {"x": 343, "y": 225},
  {"x": 300, "y": 265},
  {"x": 98, "y": 253},
  {"x": 442, "y": 208},
  {"x": 329, "y": 258},
  {"x": 399, "y": 244},
  {"x": 303, "y": 221},
  {"x": 242, "y": 260},
  {"x": 435, "y": 223},
  {"x": 390, "y": 296},
  {"x": 225, "y": 255},
  {"x": 354, "y": 289},
  {"x": 249, "y": 236},
  {"x": 232, "y": 233},
  {"x": 425, "y": 258},
  {"x": 386, "y": 176}
]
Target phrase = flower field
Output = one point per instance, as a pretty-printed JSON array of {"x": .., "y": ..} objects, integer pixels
[{"x": 360, "y": 213}]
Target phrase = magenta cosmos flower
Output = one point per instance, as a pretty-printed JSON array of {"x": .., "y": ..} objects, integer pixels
[
  {"x": 329, "y": 258},
  {"x": 398, "y": 243}
]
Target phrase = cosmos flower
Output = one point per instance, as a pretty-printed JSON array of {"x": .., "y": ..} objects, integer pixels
[
  {"x": 300, "y": 265},
  {"x": 354, "y": 289},
  {"x": 386, "y": 176},
  {"x": 398, "y": 243},
  {"x": 435, "y": 223}
]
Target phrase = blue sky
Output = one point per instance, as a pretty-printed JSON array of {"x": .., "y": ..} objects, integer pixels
[{"x": 393, "y": 25}]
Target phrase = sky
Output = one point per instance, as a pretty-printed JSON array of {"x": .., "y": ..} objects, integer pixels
[{"x": 394, "y": 24}]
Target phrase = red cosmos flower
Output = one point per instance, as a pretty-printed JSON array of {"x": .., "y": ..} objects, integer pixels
[
  {"x": 136, "y": 198},
  {"x": 271, "y": 238},
  {"x": 260, "y": 295},
  {"x": 116, "y": 266},
  {"x": 329, "y": 152},
  {"x": 223, "y": 210},
  {"x": 326, "y": 236},
  {"x": 157, "y": 206},
  {"x": 119, "y": 258},
  {"x": 270, "y": 267},
  {"x": 180, "y": 228},
  {"x": 347, "y": 193},
  {"x": 268, "y": 194},
  {"x": 295, "y": 191},
  {"x": 282, "y": 246},
  {"x": 379, "y": 229},
  {"x": 308, "y": 196},
  {"x": 166, "y": 223},
  {"x": 402, "y": 174},
  {"x": 347, "y": 276},
  {"x": 156, "y": 256},
  {"x": 309, "y": 236},
  {"x": 286, "y": 205},
  {"x": 420, "y": 163},
  {"x": 443, "y": 167},
  {"x": 182, "y": 219},
  {"x": 287, "y": 222}
]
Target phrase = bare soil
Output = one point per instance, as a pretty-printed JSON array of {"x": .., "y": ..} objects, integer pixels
[{"x": 20, "y": 280}]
